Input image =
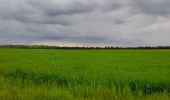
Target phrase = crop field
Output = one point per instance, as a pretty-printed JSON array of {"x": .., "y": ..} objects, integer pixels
[{"x": 53, "y": 74}]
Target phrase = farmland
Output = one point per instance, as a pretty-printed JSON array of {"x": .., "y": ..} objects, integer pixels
[{"x": 62, "y": 74}]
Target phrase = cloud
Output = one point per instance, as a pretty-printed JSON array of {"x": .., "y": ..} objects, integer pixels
[
  {"x": 151, "y": 7},
  {"x": 85, "y": 22}
]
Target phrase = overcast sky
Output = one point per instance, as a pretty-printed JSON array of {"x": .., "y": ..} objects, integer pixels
[{"x": 85, "y": 22}]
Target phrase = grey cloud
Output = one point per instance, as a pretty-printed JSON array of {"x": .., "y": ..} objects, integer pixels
[
  {"x": 85, "y": 22},
  {"x": 53, "y": 8},
  {"x": 23, "y": 11},
  {"x": 151, "y": 7}
]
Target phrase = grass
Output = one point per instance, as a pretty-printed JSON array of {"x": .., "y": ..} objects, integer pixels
[{"x": 28, "y": 74}]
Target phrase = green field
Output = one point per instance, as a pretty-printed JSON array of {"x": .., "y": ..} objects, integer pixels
[{"x": 51, "y": 74}]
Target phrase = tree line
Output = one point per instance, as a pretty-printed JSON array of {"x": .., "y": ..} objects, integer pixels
[{"x": 65, "y": 47}]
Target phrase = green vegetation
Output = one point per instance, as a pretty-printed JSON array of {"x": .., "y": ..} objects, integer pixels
[{"x": 36, "y": 74}]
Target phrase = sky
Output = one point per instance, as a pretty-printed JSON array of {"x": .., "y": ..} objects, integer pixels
[{"x": 85, "y": 22}]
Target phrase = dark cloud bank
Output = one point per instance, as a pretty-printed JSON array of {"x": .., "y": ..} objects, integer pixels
[{"x": 85, "y": 22}]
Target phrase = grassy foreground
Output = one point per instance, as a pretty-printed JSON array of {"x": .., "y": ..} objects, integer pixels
[{"x": 36, "y": 74}]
